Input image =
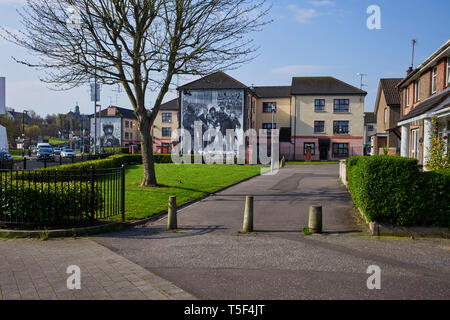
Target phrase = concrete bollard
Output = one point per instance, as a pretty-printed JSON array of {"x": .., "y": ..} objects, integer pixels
[
  {"x": 248, "y": 215},
  {"x": 315, "y": 219},
  {"x": 172, "y": 214}
]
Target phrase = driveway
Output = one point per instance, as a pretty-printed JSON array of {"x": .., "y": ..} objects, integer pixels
[{"x": 208, "y": 258}]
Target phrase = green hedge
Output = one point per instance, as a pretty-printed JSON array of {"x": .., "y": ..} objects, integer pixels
[
  {"x": 391, "y": 189},
  {"x": 47, "y": 203}
]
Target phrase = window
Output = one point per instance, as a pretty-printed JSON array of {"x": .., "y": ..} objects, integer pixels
[
  {"x": 448, "y": 70},
  {"x": 416, "y": 90},
  {"x": 127, "y": 135},
  {"x": 268, "y": 126},
  {"x": 167, "y": 117},
  {"x": 370, "y": 127},
  {"x": 340, "y": 127},
  {"x": 319, "y": 105},
  {"x": 127, "y": 124},
  {"x": 385, "y": 115},
  {"x": 319, "y": 126},
  {"x": 311, "y": 145},
  {"x": 268, "y": 106},
  {"x": 341, "y": 105},
  {"x": 407, "y": 96},
  {"x": 131, "y": 124},
  {"x": 340, "y": 149},
  {"x": 434, "y": 80},
  {"x": 167, "y": 132},
  {"x": 415, "y": 143},
  {"x": 131, "y": 136}
]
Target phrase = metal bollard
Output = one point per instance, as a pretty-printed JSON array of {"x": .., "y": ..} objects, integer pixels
[
  {"x": 60, "y": 160},
  {"x": 315, "y": 219},
  {"x": 24, "y": 163},
  {"x": 172, "y": 214},
  {"x": 248, "y": 215},
  {"x": 45, "y": 163}
]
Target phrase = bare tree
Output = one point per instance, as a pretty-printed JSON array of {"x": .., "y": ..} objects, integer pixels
[{"x": 140, "y": 44}]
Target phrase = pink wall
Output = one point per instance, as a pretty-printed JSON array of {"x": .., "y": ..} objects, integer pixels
[{"x": 355, "y": 148}]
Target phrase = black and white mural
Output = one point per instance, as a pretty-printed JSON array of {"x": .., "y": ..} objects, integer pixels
[
  {"x": 109, "y": 132},
  {"x": 218, "y": 110}
]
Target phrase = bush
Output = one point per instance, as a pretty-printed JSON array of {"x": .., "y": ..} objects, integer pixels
[
  {"x": 47, "y": 203},
  {"x": 391, "y": 189}
]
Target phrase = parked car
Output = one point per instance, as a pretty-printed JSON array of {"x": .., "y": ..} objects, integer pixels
[
  {"x": 43, "y": 145},
  {"x": 45, "y": 154},
  {"x": 6, "y": 161},
  {"x": 57, "y": 151},
  {"x": 67, "y": 153}
]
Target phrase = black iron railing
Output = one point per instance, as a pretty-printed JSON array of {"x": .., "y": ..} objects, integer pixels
[{"x": 61, "y": 197}]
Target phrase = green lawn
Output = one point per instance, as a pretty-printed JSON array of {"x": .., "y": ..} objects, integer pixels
[
  {"x": 312, "y": 162},
  {"x": 56, "y": 141},
  {"x": 196, "y": 181}
]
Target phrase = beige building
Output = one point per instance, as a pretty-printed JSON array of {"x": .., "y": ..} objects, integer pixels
[
  {"x": 165, "y": 124},
  {"x": 327, "y": 117}
]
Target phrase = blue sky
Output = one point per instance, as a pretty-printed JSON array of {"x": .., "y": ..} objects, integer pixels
[{"x": 307, "y": 38}]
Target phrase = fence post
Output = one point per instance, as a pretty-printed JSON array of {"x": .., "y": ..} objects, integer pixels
[
  {"x": 73, "y": 159},
  {"x": 60, "y": 159},
  {"x": 122, "y": 194},
  {"x": 45, "y": 163},
  {"x": 24, "y": 163},
  {"x": 92, "y": 194}
]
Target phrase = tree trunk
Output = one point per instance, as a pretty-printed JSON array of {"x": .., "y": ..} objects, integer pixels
[{"x": 149, "y": 179}]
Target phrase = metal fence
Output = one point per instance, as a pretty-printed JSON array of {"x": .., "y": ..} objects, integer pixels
[{"x": 61, "y": 197}]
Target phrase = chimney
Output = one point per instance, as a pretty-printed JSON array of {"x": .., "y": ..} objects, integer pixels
[
  {"x": 112, "y": 111},
  {"x": 410, "y": 69}
]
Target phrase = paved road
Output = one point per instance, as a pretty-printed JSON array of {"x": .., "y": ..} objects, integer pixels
[
  {"x": 34, "y": 269},
  {"x": 210, "y": 259}
]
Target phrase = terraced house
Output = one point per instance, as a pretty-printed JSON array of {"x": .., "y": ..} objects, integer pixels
[
  {"x": 321, "y": 114},
  {"x": 425, "y": 93}
]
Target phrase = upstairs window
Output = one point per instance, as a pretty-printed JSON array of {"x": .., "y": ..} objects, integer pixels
[
  {"x": 448, "y": 71},
  {"x": 167, "y": 132},
  {"x": 269, "y": 106},
  {"x": 319, "y": 126},
  {"x": 385, "y": 115},
  {"x": 340, "y": 127},
  {"x": 416, "y": 90},
  {"x": 127, "y": 124},
  {"x": 370, "y": 127},
  {"x": 434, "y": 80},
  {"x": 319, "y": 105},
  {"x": 341, "y": 105},
  {"x": 407, "y": 96},
  {"x": 167, "y": 117}
]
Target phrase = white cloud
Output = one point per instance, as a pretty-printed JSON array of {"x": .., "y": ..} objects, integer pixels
[
  {"x": 299, "y": 69},
  {"x": 322, "y": 3},
  {"x": 303, "y": 15}
]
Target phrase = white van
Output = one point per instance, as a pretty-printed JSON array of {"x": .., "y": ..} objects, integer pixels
[{"x": 43, "y": 145}]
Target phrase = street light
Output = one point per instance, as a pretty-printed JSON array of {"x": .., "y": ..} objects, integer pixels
[
  {"x": 272, "y": 138},
  {"x": 23, "y": 132}
]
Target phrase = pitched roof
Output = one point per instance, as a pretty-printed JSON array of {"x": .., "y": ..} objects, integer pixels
[
  {"x": 121, "y": 112},
  {"x": 369, "y": 117},
  {"x": 391, "y": 92},
  {"x": 429, "y": 103},
  {"x": 217, "y": 80},
  {"x": 322, "y": 86},
  {"x": 170, "y": 105},
  {"x": 273, "y": 92}
]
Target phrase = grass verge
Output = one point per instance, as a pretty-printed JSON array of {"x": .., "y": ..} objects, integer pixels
[{"x": 186, "y": 182}]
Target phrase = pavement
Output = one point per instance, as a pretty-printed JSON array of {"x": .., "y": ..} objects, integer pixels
[
  {"x": 208, "y": 256},
  {"x": 32, "y": 269}
]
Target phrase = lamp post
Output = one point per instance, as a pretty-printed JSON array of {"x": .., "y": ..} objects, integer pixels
[
  {"x": 271, "y": 137},
  {"x": 23, "y": 132}
]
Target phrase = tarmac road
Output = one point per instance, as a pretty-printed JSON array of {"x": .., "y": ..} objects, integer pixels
[{"x": 208, "y": 258}]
